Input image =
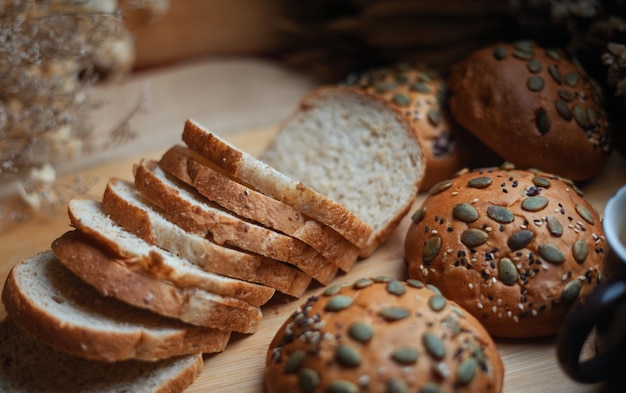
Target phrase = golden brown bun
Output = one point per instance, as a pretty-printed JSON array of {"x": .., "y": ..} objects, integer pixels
[
  {"x": 533, "y": 107},
  {"x": 325, "y": 344},
  {"x": 420, "y": 94},
  {"x": 513, "y": 288}
]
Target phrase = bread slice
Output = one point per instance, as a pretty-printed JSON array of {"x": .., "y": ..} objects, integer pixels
[
  {"x": 268, "y": 180},
  {"x": 87, "y": 216},
  {"x": 125, "y": 205},
  {"x": 112, "y": 278},
  {"x": 202, "y": 217},
  {"x": 30, "y": 366},
  {"x": 246, "y": 202},
  {"x": 355, "y": 148},
  {"x": 50, "y": 303}
]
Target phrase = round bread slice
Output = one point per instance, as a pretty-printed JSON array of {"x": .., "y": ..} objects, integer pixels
[
  {"x": 515, "y": 248},
  {"x": 87, "y": 216},
  {"x": 271, "y": 181},
  {"x": 253, "y": 205},
  {"x": 112, "y": 278},
  {"x": 124, "y": 204},
  {"x": 30, "y": 366},
  {"x": 50, "y": 303},
  {"x": 382, "y": 335},
  {"x": 358, "y": 150},
  {"x": 533, "y": 107}
]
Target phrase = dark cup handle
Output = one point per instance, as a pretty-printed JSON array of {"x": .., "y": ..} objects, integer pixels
[{"x": 597, "y": 311}]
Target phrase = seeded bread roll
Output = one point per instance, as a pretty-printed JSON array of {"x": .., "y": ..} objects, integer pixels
[
  {"x": 382, "y": 335},
  {"x": 533, "y": 107},
  {"x": 420, "y": 94},
  {"x": 514, "y": 248}
]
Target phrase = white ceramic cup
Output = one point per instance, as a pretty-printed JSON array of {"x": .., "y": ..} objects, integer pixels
[{"x": 603, "y": 310}]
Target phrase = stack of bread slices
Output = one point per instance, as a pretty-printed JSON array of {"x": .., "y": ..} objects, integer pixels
[{"x": 166, "y": 266}]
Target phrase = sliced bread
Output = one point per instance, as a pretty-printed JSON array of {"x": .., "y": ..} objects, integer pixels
[
  {"x": 50, "y": 303},
  {"x": 203, "y": 217},
  {"x": 125, "y": 205},
  {"x": 87, "y": 216},
  {"x": 30, "y": 366},
  {"x": 111, "y": 278},
  {"x": 268, "y": 180},
  {"x": 355, "y": 148},
  {"x": 191, "y": 168}
]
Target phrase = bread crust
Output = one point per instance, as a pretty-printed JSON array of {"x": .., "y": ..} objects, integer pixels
[
  {"x": 125, "y": 206},
  {"x": 267, "y": 180},
  {"x": 151, "y": 339},
  {"x": 244, "y": 201},
  {"x": 371, "y": 335},
  {"x": 57, "y": 372},
  {"x": 112, "y": 278},
  {"x": 533, "y": 107},
  {"x": 515, "y": 248}
]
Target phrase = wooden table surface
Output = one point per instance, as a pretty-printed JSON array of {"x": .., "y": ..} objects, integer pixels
[{"x": 530, "y": 364}]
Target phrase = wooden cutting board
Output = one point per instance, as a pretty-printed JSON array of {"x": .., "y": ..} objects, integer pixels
[{"x": 530, "y": 364}]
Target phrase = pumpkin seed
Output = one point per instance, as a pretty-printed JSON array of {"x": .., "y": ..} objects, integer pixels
[
  {"x": 500, "y": 214},
  {"x": 404, "y": 355},
  {"x": 592, "y": 115},
  {"x": 535, "y": 83},
  {"x": 534, "y": 66},
  {"x": 415, "y": 283},
  {"x": 555, "y": 227},
  {"x": 499, "y": 53},
  {"x": 542, "y": 120},
  {"x": 580, "y": 250},
  {"x": 466, "y": 371},
  {"x": 361, "y": 331},
  {"x": 418, "y": 215},
  {"x": 342, "y": 386},
  {"x": 431, "y": 248},
  {"x": 437, "y": 302},
  {"x": 383, "y": 278},
  {"x": 540, "y": 181},
  {"x": 555, "y": 73},
  {"x": 480, "y": 182},
  {"x": 308, "y": 380},
  {"x": 434, "y": 289},
  {"x": 434, "y": 117},
  {"x": 362, "y": 283},
  {"x": 382, "y": 87},
  {"x": 553, "y": 54},
  {"x": 563, "y": 110},
  {"x": 430, "y": 387},
  {"x": 507, "y": 272},
  {"x": 571, "y": 79},
  {"x": 474, "y": 237},
  {"x": 395, "y": 287},
  {"x": 331, "y": 290},
  {"x": 347, "y": 356},
  {"x": 401, "y": 78},
  {"x": 338, "y": 303},
  {"x": 571, "y": 290},
  {"x": 534, "y": 203},
  {"x": 465, "y": 212},
  {"x": 401, "y": 100},
  {"x": 395, "y": 385},
  {"x": 565, "y": 95},
  {"x": 423, "y": 77},
  {"x": 420, "y": 87},
  {"x": 434, "y": 345},
  {"x": 551, "y": 253},
  {"x": 439, "y": 187},
  {"x": 580, "y": 115},
  {"x": 523, "y": 55},
  {"x": 520, "y": 239},
  {"x": 295, "y": 361},
  {"x": 585, "y": 214},
  {"x": 524, "y": 45},
  {"x": 393, "y": 313}
]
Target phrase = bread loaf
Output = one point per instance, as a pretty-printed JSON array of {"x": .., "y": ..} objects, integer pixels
[
  {"x": 53, "y": 305},
  {"x": 382, "y": 335},
  {"x": 515, "y": 248}
]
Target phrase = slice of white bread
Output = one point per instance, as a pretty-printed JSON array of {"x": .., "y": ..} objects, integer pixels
[
  {"x": 202, "y": 217},
  {"x": 125, "y": 205},
  {"x": 52, "y": 304},
  {"x": 190, "y": 168},
  {"x": 111, "y": 278},
  {"x": 30, "y": 366},
  {"x": 355, "y": 148},
  {"x": 87, "y": 216},
  {"x": 268, "y": 180}
]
